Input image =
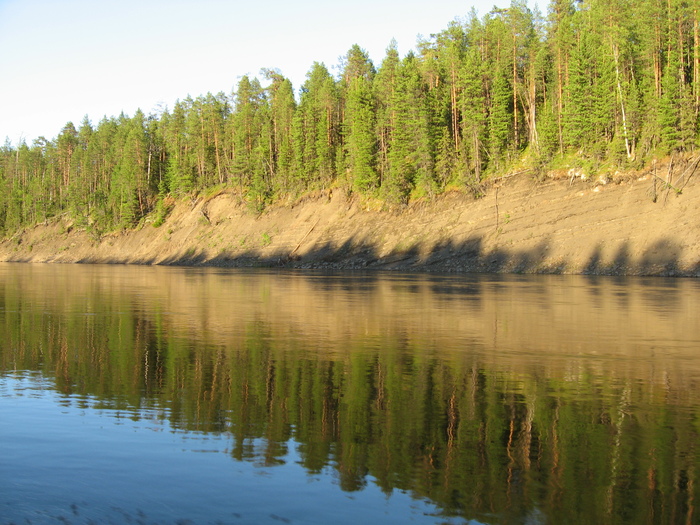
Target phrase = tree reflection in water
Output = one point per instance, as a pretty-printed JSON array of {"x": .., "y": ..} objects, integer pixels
[{"x": 502, "y": 397}]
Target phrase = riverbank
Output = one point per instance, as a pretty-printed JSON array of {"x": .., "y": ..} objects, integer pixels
[{"x": 643, "y": 223}]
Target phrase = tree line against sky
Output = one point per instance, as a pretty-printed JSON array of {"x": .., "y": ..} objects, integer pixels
[{"x": 593, "y": 84}]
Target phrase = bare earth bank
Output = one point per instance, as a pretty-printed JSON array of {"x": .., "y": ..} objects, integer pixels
[{"x": 562, "y": 225}]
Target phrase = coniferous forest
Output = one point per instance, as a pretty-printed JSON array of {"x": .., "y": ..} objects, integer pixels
[{"x": 598, "y": 85}]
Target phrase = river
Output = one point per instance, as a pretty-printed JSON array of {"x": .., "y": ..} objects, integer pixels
[{"x": 191, "y": 395}]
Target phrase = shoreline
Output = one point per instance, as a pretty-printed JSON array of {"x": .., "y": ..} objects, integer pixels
[{"x": 559, "y": 226}]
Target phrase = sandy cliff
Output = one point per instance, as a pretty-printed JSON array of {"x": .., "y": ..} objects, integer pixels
[{"x": 633, "y": 224}]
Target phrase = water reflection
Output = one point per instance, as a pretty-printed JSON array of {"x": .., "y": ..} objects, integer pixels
[{"x": 555, "y": 399}]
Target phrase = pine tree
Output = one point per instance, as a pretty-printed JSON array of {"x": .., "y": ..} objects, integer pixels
[
  {"x": 560, "y": 40},
  {"x": 179, "y": 174},
  {"x": 500, "y": 117},
  {"x": 246, "y": 130},
  {"x": 384, "y": 86},
  {"x": 668, "y": 116},
  {"x": 260, "y": 187},
  {"x": 499, "y": 39},
  {"x": 39, "y": 187},
  {"x": 473, "y": 103},
  {"x": 449, "y": 50},
  {"x": 316, "y": 128},
  {"x": 578, "y": 107},
  {"x": 280, "y": 95},
  {"x": 66, "y": 144},
  {"x": 522, "y": 39},
  {"x": 411, "y": 160},
  {"x": 359, "y": 120},
  {"x": 127, "y": 198},
  {"x": 80, "y": 197}
]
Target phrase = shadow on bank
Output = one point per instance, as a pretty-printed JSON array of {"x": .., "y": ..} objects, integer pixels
[{"x": 663, "y": 258}]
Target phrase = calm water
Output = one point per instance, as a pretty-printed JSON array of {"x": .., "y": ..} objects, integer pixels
[{"x": 164, "y": 395}]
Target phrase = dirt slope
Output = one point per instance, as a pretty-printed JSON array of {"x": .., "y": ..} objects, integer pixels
[{"x": 562, "y": 225}]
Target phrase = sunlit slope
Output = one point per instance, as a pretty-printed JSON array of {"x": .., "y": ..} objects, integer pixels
[{"x": 632, "y": 225}]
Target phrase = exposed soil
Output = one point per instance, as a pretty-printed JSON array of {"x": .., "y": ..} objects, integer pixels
[{"x": 644, "y": 223}]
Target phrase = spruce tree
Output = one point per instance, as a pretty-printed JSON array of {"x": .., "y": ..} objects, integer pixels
[
  {"x": 280, "y": 95},
  {"x": 451, "y": 48},
  {"x": 668, "y": 116},
  {"x": 359, "y": 121},
  {"x": 577, "y": 107},
  {"x": 316, "y": 128},
  {"x": 500, "y": 117},
  {"x": 80, "y": 201},
  {"x": 411, "y": 150},
  {"x": 473, "y": 102},
  {"x": 384, "y": 86}
]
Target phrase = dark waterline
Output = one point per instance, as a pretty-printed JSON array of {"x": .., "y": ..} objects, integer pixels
[{"x": 153, "y": 395}]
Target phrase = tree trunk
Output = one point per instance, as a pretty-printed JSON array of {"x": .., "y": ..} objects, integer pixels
[
  {"x": 455, "y": 108},
  {"x": 516, "y": 137},
  {"x": 696, "y": 60},
  {"x": 622, "y": 100}
]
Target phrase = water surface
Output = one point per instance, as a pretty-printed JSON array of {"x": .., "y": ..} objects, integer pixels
[{"x": 163, "y": 395}]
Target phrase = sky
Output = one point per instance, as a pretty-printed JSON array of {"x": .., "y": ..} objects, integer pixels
[{"x": 61, "y": 60}]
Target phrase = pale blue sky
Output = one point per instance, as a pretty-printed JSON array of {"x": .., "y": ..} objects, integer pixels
[{"x": 63, "y": 59}]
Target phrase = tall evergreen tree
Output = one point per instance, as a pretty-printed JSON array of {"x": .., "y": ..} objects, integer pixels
[
  {"x": 179, "y": 175},
  {"x": 473, "y": 102},
  {"x": 316, "y": 128},
  {"x": 447, "y": 52},
  {"x": 82, "y": 173},
  {"x": 577, "y": 127},
  {"x": 66, "y": 145},
  {"x": 359, "y": 120},
  {"x": 411, "y": 160},
  {"x": 384, "y": 87},
  {"x": 128, "y": 189},
  {"x": 501, "y": 90},
  {"x": 245, "y": 124},
  {"x": 280, "y": 94}
]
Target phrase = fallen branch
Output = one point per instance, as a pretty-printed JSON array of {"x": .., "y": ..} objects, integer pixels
[
  {"x": 692, "y": 168},
  {"x": 664, "y": 185},
  {"x": 669, "y": 179},
  {"x": 291, "y": 254}
]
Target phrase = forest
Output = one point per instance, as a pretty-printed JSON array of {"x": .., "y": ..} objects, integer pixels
[{"x": 595, "y": 85}]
